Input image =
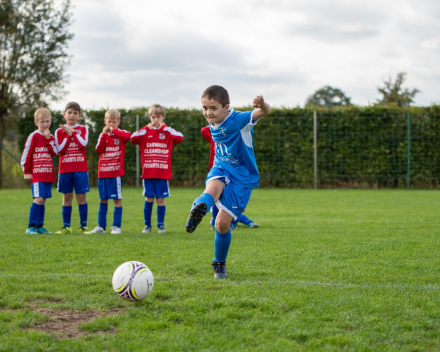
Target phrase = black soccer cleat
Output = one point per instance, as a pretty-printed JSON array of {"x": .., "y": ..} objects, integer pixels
[
  {"x": 219, "y": 270},
  {"x": 196, "y": 216}
]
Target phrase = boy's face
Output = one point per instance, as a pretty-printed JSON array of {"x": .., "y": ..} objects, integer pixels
[
  {"x": 156, "y": 120},
  {"x": 43, "y": 124},
  {"x": 72, "y": 117},
  {"x": 112, "y": 122},
  {"x": 213, "y": 111}
]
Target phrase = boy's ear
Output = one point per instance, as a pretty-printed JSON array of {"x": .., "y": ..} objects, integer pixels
[{"x": 227, "y": 106}]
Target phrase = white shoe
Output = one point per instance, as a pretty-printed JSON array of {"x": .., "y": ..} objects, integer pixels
[
  {"x": 161, "y": 229},
  {"x": 116, "y": 230},
  {"x": 147, "y": 229},
  {"x": 97, "y": 229}
]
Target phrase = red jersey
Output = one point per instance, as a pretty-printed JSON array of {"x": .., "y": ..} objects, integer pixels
[
  {"x": 206, "y": 132},
  {"x": 72, "y": 149},
  {"x": 37, "y": 157},
  {"x": 111, "y": 148},
  {"x": 156, "y": 147}
]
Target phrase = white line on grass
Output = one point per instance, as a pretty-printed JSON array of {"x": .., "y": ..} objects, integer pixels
[{"x": 236, "y": 282}]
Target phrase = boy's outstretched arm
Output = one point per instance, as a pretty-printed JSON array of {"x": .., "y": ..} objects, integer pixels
[{"x": 261, "y": 108}]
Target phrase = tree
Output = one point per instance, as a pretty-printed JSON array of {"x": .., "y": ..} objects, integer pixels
[
  {"x": 393, "y": 93},
  {"x": 328, "y": 97},
  {"x": 33, "y": 39}
]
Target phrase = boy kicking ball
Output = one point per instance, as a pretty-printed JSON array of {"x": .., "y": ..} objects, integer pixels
[{"x": 234, "y": 174}]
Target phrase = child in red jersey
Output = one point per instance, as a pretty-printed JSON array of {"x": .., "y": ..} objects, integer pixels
[
  {"x": 206, "y": 133},
  {"x": 37, "y": 165},
  {"x": 156, "y": 141},
  {"x": 72, "y": 140},
  {"x": 111, "y": 149}
]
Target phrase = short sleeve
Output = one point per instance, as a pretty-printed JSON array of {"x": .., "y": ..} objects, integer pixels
[{"x": 244, "y": 119}]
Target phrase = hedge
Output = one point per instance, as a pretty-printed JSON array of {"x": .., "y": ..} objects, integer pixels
[{"x": 357, "y": 146}]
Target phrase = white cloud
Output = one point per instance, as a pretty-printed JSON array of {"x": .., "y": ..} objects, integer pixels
[{"x": 170, "y": 51}]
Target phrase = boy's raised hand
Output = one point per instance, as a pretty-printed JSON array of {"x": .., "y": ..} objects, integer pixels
[
  {"x": 106, "y": 129},
  {"x": 47, "y": 134},
  {"x": 150, "y": 126},
  {"x": 258, "y": 102},
  {"x": 66, "y": 129},
  {"x": 261, "y": 108}
]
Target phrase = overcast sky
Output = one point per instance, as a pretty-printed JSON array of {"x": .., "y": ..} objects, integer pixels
[{"x": 133, "y": 53}]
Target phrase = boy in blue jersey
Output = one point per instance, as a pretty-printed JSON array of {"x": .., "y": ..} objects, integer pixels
[{"x": 234, "y": 174}]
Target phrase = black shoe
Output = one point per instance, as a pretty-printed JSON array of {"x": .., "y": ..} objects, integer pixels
[
  {"x": 196, "y": 216},
  {"x": 219, "y": 270}
]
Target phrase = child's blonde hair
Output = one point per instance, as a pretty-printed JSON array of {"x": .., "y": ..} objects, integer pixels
[
  {"x": 42, "y": 113},
  {"x": 112, "y": 113},
  {"x": 156, "y": 109}
]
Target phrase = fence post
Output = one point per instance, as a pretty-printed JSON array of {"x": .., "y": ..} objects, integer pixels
[
  {"x": 315, "y": 148},
  {"x": 408, "y": 171},
  {"x": 137, "y": 153}
]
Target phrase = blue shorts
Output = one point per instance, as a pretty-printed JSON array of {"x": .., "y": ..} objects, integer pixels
[
  {"x": 234, "y": 198},
  {"x": 69, "y": 180},
  {"x": 42, "y": 190},
  {"x": 110, "y": 188},
  {"x": 156, "y": 187}
]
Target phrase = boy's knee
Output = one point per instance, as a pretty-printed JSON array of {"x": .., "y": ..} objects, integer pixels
[
  {"x": 118, "y": 202},
  {"x": 81, "y": 198},
  {"x": 40, "y": 201},
  {"x": 67, "y": 197},
  {"x": 222, "y": 224},
  {"x": 160, "y": 201}
]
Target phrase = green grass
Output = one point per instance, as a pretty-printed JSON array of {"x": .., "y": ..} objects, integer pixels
[{"x": 327, "y": 271}]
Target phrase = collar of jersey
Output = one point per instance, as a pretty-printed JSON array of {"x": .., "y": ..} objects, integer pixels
[
  {"x": 72, "y": 126},
  {"x": 231, "y": 111}
]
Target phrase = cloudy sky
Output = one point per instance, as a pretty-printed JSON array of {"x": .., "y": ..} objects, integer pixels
[{"x": 134, "y": 53}]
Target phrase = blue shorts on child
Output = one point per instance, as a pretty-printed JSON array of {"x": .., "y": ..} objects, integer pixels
[
  {"x": 156, "y": 187},
  {"x": 110, "y": 187},
  {"x": 234, "y": 198},
  {"x": 70, "y": 180},
  {"x": 42, "y": 190}
]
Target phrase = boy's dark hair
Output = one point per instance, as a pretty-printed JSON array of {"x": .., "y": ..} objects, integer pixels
[
  {"x": 217, "y": 93},
  {"x": 74, "y": 106}
]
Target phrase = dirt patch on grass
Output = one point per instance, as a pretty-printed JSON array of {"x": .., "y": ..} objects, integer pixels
[{"x": 65, "y": 323}]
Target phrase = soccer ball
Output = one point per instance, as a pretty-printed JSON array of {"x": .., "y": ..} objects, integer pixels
[{"x": 133, "y": 281}]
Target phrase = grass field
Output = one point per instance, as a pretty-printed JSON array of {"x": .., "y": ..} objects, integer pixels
[{"x": 327, "y": 271}]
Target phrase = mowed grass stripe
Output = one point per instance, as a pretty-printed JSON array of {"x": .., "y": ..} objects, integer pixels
[
  {"x": 328, "y": 270},
  {"x": 235, "y": 282}
]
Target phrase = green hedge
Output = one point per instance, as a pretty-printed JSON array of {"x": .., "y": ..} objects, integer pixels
[{"x": 357, "y": 146}]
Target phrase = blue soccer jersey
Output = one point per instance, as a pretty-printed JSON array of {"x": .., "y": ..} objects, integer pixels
[{"x": 234, "y": 148}]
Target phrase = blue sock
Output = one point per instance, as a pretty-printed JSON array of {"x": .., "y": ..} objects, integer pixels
[
  {"x": 33, "y": 214},
  {"x": 102, "y": 215},
  {"x": 214, "y": 214},
  {"x": 67, "y": 215},
  {"x": 161, "y": 215},
  {"x": 234, "y": 222},
  {"x": 205, "y": 198},
  {"x": 244, "y": 219},
  {"x": 40, "y": 219},
  {"x": 83, "y": 212},
  {"x": 148, "y": 209},
  {"x": 117, "y": 217},
  {"x": 221, "y": 245}
]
